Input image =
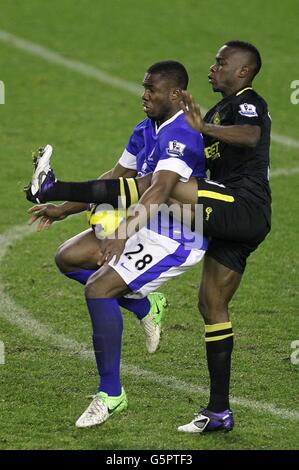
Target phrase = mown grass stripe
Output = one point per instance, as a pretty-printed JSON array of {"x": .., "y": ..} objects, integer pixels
[{"x": 100, "y": 75}]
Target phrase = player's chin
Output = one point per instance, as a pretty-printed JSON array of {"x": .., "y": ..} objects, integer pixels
[
  {"x": 150, "y": 114},
  {"x": 215, "y": 87}
]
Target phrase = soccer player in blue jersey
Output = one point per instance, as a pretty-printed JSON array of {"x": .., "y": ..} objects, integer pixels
[
  {"x": 237, "y": 208},
  {"x": 163, "y": 144}
]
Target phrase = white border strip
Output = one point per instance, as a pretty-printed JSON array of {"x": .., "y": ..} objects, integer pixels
[
  {"x": 99, "y": 75},
  {"x": 19, "y": 316}
]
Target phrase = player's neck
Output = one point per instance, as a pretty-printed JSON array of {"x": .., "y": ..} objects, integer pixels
[
  {"x": 234, "y": 89},
  {"x": 169, "y": 115}
]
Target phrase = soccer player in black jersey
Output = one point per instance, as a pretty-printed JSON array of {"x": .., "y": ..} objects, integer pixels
[
  {"x": 237, "y": 204},
  {"x": 237, "y": 208}
]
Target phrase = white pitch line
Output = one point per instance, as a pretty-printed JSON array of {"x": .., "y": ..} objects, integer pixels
[
  {"x": 284, "y": 172},
  {"x": 99, "y": 75},
  {"x": 75, "y": 65},
  {"x": 19, "y": 316}
]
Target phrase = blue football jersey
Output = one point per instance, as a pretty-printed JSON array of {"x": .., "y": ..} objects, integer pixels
[{"x": 174, "y": 146}]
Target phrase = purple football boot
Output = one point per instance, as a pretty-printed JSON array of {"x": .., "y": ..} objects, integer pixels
[
  {"x": 209, "y": 421},
  {"x": 43, "y": 177}
]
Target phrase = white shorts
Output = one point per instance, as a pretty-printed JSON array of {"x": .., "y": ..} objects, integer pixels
[{"x": 150, "y": 259}]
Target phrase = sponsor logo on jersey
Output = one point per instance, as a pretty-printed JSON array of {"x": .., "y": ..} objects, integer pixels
[
  {"x": 248, "y": 110},
  {"x": 212, "y": 151},
  {"x": 209, "y": 210},
  {"x": 175, "y": 148},
  {"x": 216, "y": 119}
]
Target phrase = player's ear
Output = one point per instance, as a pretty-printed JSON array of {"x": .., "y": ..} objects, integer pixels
[
  {"x": 244, "y": 71},
  {"x": 176, "y": 94}
]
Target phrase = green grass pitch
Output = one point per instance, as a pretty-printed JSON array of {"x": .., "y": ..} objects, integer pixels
[{"x": 46, "y": 378}]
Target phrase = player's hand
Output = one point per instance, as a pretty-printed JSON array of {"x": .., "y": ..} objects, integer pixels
[
  {"x": 47, "y": 214},
  {"x": 192, "y": 111},
  {"x": 111, "y": 248}
]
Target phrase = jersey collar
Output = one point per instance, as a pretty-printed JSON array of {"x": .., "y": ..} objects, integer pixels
[
  {"x": 244, "y": 89},
  {"x": 173, "y": 118}
]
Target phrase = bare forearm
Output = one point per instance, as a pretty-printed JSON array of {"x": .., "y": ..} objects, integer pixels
[
  {"x": 146, "y": 208},
  {"x": 158, "y": 193},
  {"x": 246, "y": 135},
  {"x": 70, "y": 208},
  {"x": 118, "y": 171}
]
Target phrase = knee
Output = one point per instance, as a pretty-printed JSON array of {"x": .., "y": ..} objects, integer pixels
[
  {"x": 59, "y": 257},
  {"x": 105, "y": 284},
  {"x": 89, "y": 290},
  {"x": 63, "y": 258},
  {"x": 95, "y": 289},
  {"x": 205, "y": 308},
  {"x": 212, "y": 309}
]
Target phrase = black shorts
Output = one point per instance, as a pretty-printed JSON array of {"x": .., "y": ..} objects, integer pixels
[{"x": 235, "y": 225}]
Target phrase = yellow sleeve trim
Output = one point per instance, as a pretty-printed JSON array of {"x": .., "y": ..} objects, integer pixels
[
  {"x": 122, "y": 192},
  {"x": 133, "y": 190}
]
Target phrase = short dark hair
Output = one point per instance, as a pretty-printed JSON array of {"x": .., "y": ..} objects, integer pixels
[
  {"x": 171, "y": 70},
  {"x": 248, "y": 47}
]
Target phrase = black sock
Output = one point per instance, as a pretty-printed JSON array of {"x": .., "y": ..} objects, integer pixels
[
  {"x": 121, "y": 192},
  {"x": 219, "y": 346}
]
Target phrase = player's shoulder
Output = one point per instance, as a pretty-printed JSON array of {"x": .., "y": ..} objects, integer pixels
[
  {"x": 141, "y": 125},
  {"x": 180, "y": 127},
  {"x": 250, "y": 96}
]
